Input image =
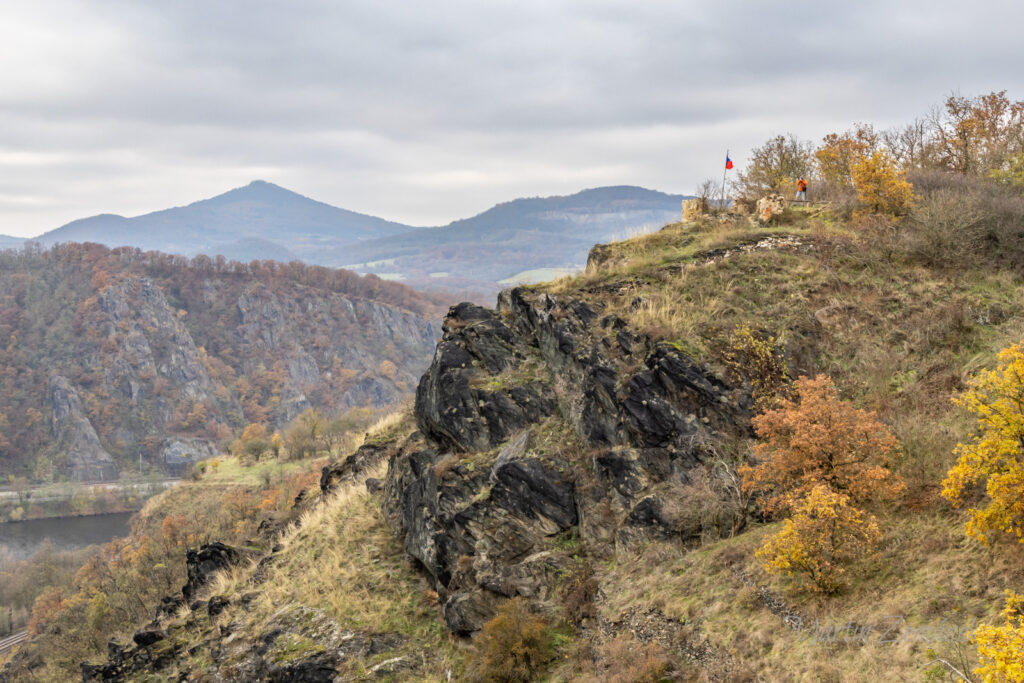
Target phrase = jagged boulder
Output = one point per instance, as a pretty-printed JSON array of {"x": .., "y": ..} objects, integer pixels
[
  {"x": 148, "y": 637},
  {"x": 771, "y": 208},
  {"x": 365, "y": 457},
  {"x": 466, "y": 612},
  {"x": 694, "y": 209},
  {"x": 451, "y": 409},
  {"x": 201, "y": 564}
]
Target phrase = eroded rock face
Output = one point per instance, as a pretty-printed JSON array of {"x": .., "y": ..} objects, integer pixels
[
  {"x": 163, "y": 369},
  {"x": 86, "y": 458},
  {"x": 481, "y": 509},
  {"x": 450, "y": 410}
]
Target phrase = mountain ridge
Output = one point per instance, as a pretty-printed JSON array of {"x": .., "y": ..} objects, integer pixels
[
  {"x": 264, "y": 221},
  {"x": 260, "y": 210}
]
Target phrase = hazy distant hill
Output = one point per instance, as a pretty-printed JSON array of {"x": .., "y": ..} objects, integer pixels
[
  {"x": 258, "y": 221},
  {"x": 7, "y": 241},
  {"x": 525, "y": 239},
  {"x": 514, "y": 237}
]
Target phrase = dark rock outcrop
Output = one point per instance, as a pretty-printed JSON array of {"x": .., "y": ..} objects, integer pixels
[
  {"x": 203, "y": 563},
  {"x": 147, "y": 638},
  {"x": 450, "y": 410},
  {"x": 483, "y": 526},
  {"x": 365, "y": 457}
]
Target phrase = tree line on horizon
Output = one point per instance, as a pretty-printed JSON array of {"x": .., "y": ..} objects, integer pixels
[{"x": 980, "y": 136}]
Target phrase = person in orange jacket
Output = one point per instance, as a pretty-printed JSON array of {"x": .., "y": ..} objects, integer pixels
[{"x": 801, "y": 190}]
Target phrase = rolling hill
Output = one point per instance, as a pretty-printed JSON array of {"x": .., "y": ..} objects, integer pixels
[
  {"x": 518, "y": 241},
  {"x": 504, "y": 242},
  {"x": 255, "y": 221}
]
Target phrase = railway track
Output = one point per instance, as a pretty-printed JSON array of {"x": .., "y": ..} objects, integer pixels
[{"x": 10, "y": 642}]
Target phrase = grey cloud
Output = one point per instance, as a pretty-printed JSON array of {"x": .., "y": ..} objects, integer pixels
[{"x": 428, "y": 112}]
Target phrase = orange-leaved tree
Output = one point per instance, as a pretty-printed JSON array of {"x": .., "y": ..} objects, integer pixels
[
  {"x": 819, "y": 439},
  {"x": 838, "y": 153},
  {"x": 1001, "y": 648},
  {"x": 995, "y": 457},
  {"x": 824, "y": 535}
]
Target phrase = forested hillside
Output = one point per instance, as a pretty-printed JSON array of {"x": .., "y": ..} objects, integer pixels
[{"x": 109, "y": 354}]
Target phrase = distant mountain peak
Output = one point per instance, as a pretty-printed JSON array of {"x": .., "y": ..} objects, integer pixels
[
  {"x": 258, "y": 189},
  {"x": 261, "y": 220}
]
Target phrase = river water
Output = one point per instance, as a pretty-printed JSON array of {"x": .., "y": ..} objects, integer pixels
[{"x": 23, "y": 538}]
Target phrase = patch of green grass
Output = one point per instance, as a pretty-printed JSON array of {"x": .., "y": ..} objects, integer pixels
[{"x": 292, "y": 647}]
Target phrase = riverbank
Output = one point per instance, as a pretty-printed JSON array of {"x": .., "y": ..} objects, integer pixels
[
  {"x": 43, "y": 554},
  {"x": 70, "y": 499}
]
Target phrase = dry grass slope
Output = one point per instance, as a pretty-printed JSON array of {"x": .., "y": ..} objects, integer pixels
[{"x": 340, "y": 559}]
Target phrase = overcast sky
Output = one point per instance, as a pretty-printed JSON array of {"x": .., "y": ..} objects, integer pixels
[{"x": 424, "y": 112}]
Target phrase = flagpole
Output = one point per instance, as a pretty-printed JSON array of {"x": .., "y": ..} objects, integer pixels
[{"x": 724, "y": 171}]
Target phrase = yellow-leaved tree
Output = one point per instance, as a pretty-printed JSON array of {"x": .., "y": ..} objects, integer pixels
[
  {"x": 824, "y": 535},
  {"x": 820, "y": 439},
  {"x": 881, "y": 186},
  {"x": 838, "y": 153},
  {"x": 995, "y": 457},
  {"x": 1001, "y": 648}
]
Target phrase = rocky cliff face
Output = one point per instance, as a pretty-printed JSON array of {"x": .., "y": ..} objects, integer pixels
[
  {"x": 541, "y": 421},
  {"x": 168, "y": 359},
  {"x": 87, "y": 460}
]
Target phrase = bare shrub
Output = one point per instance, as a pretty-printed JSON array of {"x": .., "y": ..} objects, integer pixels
[
  {"x": 710, "y": 191},
  {"x": 757, "y": 357},
  {"x": 626, "y": 660},
  {"x": 578, "y": 592},
  {"x": 710, "y": 505},
  {"x": 962, "y": 220},
  {"x": 516, "y": 645}
]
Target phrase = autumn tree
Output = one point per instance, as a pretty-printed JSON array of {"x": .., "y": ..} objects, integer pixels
[
  {"x": 818, "y": 439},
  {"x": 304, "y": 435},
  {"x": 837, "y": 153},
  {"x": 881, "y": 186},
  {"x": 823, "y": 537},
  {"x": 252, "y": 443},
  {"x": 775, "y": 166},
  {"x": 1001, "y": 648},
  {"x": 975, "y": 135},
  {"x": 994, "y": 458},
  {"x": 1012, "y": 174},
  {"x": 909, "y": 144}
]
